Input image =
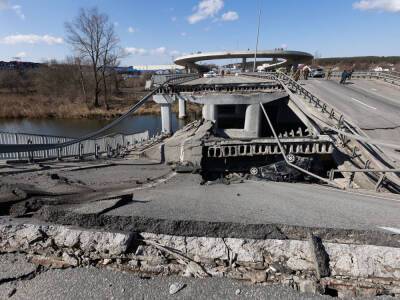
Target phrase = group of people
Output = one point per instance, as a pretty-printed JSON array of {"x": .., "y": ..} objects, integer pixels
[{"x": 303, "y": 72}]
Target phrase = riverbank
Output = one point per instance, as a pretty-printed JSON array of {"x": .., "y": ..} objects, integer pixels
[{"x": 33, "y": 106}]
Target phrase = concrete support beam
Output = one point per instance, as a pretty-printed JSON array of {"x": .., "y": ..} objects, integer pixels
[
  {"x": 204, "y": 112},
  {"x": 182, "y": 108},
  {"x": 165, "y": 102},
  {"x": 244, "y": 64},
  {"x": 166, "y": 120},
  {"x": 210, "y": 112},
  {"x": 252, "y": 123}
]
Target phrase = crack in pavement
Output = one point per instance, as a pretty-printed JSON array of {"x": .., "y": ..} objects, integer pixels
[{"x": 27, "y": 276}]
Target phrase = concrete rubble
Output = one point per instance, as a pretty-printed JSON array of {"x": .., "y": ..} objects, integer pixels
[{"x": 363, "y": 269}]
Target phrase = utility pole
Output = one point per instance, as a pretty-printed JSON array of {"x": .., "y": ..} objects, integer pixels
[{"x": 258, "y": 34}]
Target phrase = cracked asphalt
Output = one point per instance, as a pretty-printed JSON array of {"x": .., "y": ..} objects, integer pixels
[{"x": 262, "y": 202}]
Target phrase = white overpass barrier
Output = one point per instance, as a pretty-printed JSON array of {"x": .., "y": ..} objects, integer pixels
[{"x": 109, "y": 145}]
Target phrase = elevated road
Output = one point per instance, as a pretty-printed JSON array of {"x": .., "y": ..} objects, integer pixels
[
  {"x": 226, "y": 80},
  {"x": 286, "y": 57}
]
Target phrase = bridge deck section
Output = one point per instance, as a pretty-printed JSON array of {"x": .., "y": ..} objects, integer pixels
[
  {"x": 373, "y": 105},
  {"x": 227, "y": 80},
  {"x": 228, "y": 84}
]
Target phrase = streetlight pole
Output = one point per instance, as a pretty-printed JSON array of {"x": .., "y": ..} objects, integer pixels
[{"x": 258, "y": 34}]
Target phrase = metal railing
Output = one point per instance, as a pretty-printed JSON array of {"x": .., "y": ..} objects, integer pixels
[
  {"x": 173, "y": 78},
  {"x": 384, "y": 76},
  {"x": 109, "y": 145},
  {"x": 352, "y": 172}
]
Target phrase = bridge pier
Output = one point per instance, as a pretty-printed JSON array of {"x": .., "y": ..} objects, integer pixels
[
  {"x": 252, "y": 122},
  {"x": 166, "y": 123},
  {"x": 210, "y": 112},
  {"x": 166, "y": 113},
  {"x": 182, "y": 108}
]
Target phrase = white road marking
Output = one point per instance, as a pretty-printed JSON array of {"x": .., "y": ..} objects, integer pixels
[
  {"x": 363, "y": 103},
  {"x": 373, "y": 89},
  {"x": 391, "y": 229}
]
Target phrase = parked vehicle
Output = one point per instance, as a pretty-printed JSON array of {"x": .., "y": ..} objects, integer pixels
[
  {"x": 210, "y": 74},
  {"x": 318, "y": 73}
]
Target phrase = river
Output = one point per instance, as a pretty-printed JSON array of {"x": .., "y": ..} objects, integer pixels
[{"x": 80, "y": 127}]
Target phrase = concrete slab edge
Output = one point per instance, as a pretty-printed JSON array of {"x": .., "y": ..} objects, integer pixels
[
  {"x": 355, "y": 270},
  {"x": 63, "y": 216}
]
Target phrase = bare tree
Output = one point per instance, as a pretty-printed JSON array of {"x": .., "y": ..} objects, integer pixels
[
  {"x": 109, "y": 60},
  {"x": 93, "y": 38},
  {"x": 78, "y": 62}
]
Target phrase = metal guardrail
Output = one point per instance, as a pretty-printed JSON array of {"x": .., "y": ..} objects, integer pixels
[
  {"x": 173, "y": 78},
  {"x": 111, "y": 144},
  {"x": 352, "y": 172},
  {"x": 385, "y": 76}
]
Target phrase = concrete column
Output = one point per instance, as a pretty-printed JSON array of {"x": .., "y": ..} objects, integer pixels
[
  {"x": 252, "y": 123},
  {"x": 213, "y": 112},
  {"x": 243, "y": 64},
  {"x": 204, "y": 112},
  {"x": 182, "y": 108},
  {"x": 166, "y": 121},
  {"x": 210, "y": 112}
]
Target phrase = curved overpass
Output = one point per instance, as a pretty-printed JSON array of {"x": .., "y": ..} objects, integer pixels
[{"x": 288, "y": 57}]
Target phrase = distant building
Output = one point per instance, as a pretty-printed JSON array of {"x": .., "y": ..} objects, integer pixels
[
  {"x": 17, "y": 65},
  {"x": 155, "y": 68}
]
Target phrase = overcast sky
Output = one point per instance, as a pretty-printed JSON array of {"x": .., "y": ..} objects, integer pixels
[{"x": 155, "y": 31}]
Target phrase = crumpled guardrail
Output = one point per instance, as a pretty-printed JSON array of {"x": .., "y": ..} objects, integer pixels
[
  {"x": 19, "y": 148},
  {"x": 91, "y": 147}
]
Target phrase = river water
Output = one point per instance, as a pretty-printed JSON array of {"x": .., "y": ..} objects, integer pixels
[{"x": 80, "y": 127}]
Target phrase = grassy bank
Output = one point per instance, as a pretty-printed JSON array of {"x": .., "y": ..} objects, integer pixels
[{"x": 37, "y": 106}]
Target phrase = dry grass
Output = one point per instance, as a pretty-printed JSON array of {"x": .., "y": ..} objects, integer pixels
[{"x": 36, "y": 106}]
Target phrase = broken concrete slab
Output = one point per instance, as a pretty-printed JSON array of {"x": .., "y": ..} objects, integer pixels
[
  {"x": 25, "y": 237},
  {"x": 185, "y": 145},
  {"x": 320, "y": 256}
]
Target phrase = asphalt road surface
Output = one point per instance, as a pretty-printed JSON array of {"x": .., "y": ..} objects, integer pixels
[
  {"x": 182, "y": 198},
  {"x": 371, "y": 104}
]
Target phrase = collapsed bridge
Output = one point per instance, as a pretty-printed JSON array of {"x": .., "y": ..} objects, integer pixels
[{"x": 250, "y": 120}]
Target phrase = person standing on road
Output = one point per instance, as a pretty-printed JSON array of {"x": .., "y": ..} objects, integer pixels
[
  {"x": 296, "y": 75},
  {"x": 329, "y": 74},
  {"x": 306, "y": 72},
  {"x": 350, "y": 74},
  {"x": 344, "y": 77}
]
